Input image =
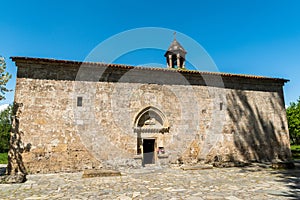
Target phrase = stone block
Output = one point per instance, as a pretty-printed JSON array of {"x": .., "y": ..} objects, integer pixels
[
  {"x": 283, "y": 165},
  {"x": 99, "y": 173},
  {"x": 12, "y": 179}
]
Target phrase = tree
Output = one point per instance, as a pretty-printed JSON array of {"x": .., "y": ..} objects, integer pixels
[
  {"x": 293, "y": 116},
  {"x": 5, "y": 128},
  {"x": 4, "y": 78}
]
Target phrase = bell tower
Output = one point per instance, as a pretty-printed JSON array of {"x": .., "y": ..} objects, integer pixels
[{"x": 175, "y": 55}]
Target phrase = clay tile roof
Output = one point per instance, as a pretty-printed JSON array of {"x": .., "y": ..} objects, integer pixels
[{"x": 123, "y": 66}]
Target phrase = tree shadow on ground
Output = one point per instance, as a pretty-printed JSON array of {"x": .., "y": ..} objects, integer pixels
[
  {"x": 260, "y": 134},
  {"x": 291, "y": 177}
]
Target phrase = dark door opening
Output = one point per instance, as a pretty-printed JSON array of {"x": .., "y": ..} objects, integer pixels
[{"x": 148, "y": 151}]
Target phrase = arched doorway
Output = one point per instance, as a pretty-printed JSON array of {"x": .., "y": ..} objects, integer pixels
[{"x": 150, "y": 125}]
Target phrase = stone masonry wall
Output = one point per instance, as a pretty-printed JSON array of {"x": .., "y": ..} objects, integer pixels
[
  {"x": 211, "y": 123},
  {"x": 49, "y": 137}
]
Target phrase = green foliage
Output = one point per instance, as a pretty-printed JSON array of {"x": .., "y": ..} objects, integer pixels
[
  {"x": 293, "y": 116},
  {"x": 5, "y": 127},
  {"x": 295, "y": 147},
  {"x": 295, "y": 151},
  {"x": 4, "y": 78},
  {"x": 3, "y": 158}
]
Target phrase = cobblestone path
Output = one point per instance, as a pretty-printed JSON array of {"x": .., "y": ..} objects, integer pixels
[{"x": 156, "y": 183}]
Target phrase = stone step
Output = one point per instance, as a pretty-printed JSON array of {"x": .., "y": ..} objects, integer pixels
[
  {"x": 197, "y": 167},
  {"x": 89, "y": 173}
]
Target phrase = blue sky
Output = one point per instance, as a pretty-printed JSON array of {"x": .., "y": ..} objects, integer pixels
[{"x": 260, "y": 37}]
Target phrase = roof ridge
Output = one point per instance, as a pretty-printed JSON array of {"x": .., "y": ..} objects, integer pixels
[{"x": 16, "y": 58}]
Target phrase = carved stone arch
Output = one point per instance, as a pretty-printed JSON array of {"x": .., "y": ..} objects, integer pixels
[
  {"x": 151, "y": 116},
  {"x": 150, "y": 125}
]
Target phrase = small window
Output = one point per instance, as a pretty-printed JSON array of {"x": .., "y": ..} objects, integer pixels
[{"x": 79, "y": 101}]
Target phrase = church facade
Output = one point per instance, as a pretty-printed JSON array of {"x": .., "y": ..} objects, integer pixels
[{"x": 71, "y": 116}]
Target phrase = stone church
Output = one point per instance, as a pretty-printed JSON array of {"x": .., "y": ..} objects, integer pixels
[{"x": 70, "y": 116}]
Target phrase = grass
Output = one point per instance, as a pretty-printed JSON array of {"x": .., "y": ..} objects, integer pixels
[
  {"x": 3, "y": 158},
  {"x": 295, "y": 152}
]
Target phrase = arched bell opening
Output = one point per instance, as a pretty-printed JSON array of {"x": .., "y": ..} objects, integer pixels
[{"x": 175, "y": 55}]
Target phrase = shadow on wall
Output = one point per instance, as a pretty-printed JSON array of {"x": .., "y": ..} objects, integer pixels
[
  {"x": 260, "y": 134},
  {"x": 15, "y": 162},
  {"x": 256, "y": 137}
]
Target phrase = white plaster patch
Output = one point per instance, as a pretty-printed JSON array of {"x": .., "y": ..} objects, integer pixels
[{"x": 54, "y": 143}]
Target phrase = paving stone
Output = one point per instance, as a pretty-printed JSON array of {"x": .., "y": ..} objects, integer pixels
[
  {"x": 232, "y": 198},
  {"x": 167, "y": 183}
]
